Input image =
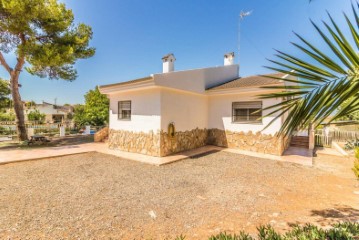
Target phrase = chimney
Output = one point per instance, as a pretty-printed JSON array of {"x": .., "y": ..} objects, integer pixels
[
  {"x": 229, "y": 59},
  {"x": 168, "y": 63}
]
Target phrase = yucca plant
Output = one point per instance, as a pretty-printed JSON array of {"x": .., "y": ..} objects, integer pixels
[{"x": 318, "y": 86}]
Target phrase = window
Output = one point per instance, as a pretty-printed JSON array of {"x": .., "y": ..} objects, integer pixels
[
  {"x": 124, "y": 110},
  {"x": 247, "y": 112}
]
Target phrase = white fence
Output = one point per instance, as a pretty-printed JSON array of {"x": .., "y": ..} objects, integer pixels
[
  {"x": 8, "y": 128},
  {"x": 323, "y": 138}
]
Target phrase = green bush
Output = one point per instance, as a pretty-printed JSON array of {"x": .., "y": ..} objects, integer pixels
[
  {"x": 356, "y": 163},
  {"x": 35, "y": 115},
  {"x": 225, "y": 236},
  {"x": 7, "y": 117},
  {"x": 351, "y": 144},
  {"x": 6, "y": 131},
  {"x": 342, "y": 231}
]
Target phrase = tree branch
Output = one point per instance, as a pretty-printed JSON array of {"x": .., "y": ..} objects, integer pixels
[
  {"x": 21, "y": 59},
  {"x": 4, "y": 63}
]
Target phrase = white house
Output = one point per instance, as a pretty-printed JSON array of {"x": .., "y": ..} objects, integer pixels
[
  {"x": 54, "y": 113},
  {"x": 175, "y": 111}
]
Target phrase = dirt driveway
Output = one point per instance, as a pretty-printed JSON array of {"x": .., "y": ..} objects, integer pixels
[{"x": 97, "y": 196}]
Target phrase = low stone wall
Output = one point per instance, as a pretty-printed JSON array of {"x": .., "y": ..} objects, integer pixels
[
  {"x": 183, "y": 141},
  {"x": 101, "y": 135},
  {"x": 255, "y": 142},
  {"x": 144, "y": 143}
]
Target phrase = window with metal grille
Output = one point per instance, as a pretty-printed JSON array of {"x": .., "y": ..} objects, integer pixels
[
  {"x": 124, "y": 110},
  {"x": 247, "y": 112}
]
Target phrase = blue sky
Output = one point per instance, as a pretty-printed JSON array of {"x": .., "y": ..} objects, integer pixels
[{"x": 131, "y": 36}]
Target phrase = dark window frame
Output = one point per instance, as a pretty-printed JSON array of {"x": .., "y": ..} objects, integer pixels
[
  {"x": 121, "y": 115},
  {"x": 249, "y": 118}
]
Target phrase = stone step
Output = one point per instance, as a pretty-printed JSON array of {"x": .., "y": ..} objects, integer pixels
[
  {"x": 300, "y": 145},
  {"x": 300, "y": 141},
  {"x": 300, "y": 138}
]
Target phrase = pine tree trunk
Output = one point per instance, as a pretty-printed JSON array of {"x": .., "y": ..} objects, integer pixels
[{"x": 18, "y": 106}]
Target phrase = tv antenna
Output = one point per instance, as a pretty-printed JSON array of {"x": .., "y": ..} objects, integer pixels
[{"x": 242, "y": 16}]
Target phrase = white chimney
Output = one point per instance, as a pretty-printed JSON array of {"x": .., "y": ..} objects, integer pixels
[
  {"x": 168, "y": 63},
  {"x": 229, "y": 59}
]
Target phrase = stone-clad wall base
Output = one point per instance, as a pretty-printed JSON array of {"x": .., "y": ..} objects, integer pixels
[
  {"x": 183, "y": 141},
  {"x": 160, "y": 144},
  {"x": 144, "y": 143},
  {"x": 255, "y": 142}
]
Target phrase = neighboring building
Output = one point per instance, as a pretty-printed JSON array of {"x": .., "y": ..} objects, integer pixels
[
  {"x": 54, "y": 113},
  {"x": 203, "y": 106}
]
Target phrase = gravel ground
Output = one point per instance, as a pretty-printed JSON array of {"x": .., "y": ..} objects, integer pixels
[{"x": 97, "y": 196}]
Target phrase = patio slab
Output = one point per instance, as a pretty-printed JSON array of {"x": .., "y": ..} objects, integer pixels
[
  {"x": 159, "y": 160},
  {"x": 293, "y": 155},
  {"x": 19, "y": 155}
]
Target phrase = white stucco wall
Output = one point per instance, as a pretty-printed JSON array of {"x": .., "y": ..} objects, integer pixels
[
  {"x": 186, "y": 110},
  {"x": 145, "y": 111},
  {"x": 197, "y": 80},
  {"x": 220, "y": 114}
]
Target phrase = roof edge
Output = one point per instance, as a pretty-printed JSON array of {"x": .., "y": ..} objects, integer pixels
[{"x": 134, "y": 81}]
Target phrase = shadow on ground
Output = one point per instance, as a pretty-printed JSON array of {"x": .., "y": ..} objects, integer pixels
[
  {"x": 330, "y": 216},
  {"x": 336, "y": 214}
]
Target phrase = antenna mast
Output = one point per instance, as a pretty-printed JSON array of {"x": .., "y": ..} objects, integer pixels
[{"x": 241, "y": 16}]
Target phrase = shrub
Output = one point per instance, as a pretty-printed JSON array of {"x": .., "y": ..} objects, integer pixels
[
  {"x": 7, "y": 117},
  {"x": 351, "y": 144},
  {"x": 5, "y": 131},
  {"x": 356, "y": 163},
  {"x": 36, "y": 116},
  {"x": 343, "y": 231},
  {"x": 225, "y": 236}
]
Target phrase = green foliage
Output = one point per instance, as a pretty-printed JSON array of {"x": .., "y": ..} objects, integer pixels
[
  {"x": 356, "y": 163},
  {"x": 7, "y": 116},
  {"x": 343, "y": 231},
  {"x": 80, "y": 117},
  {"x": 96, "y": 107},
  {"x": 306, "y": 232},
  {"x": 352, "y": 116},
  {"x": 70, "y": 116},
  {"x": 35, "y": 115},
  {"x": 268, "y": 233},
  {"x": 356, "y": 151},
  {"x": 180, "y": 237},
  {"x": 4, "y": 94},
  {"x": 225, "y": 236},
  {"x": 322, "y": 84},
  {"x": 44, "y": 32},
  {"x": 6, "y": 131},
  {"x": 30, "y": 104},
  {"x": 95, "y": 111},
  {"x": 351, "y": 144}
]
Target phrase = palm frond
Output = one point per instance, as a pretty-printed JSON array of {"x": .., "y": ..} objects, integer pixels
[{"x": 318, "y": 85}]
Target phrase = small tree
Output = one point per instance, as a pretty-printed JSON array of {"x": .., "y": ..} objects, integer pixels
[
  {"x": 35, "y": 115},
  {"x": 43, "y": 34},
  {"x": 79, "y": 117},
  {"x": 96, "y": 107}
]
